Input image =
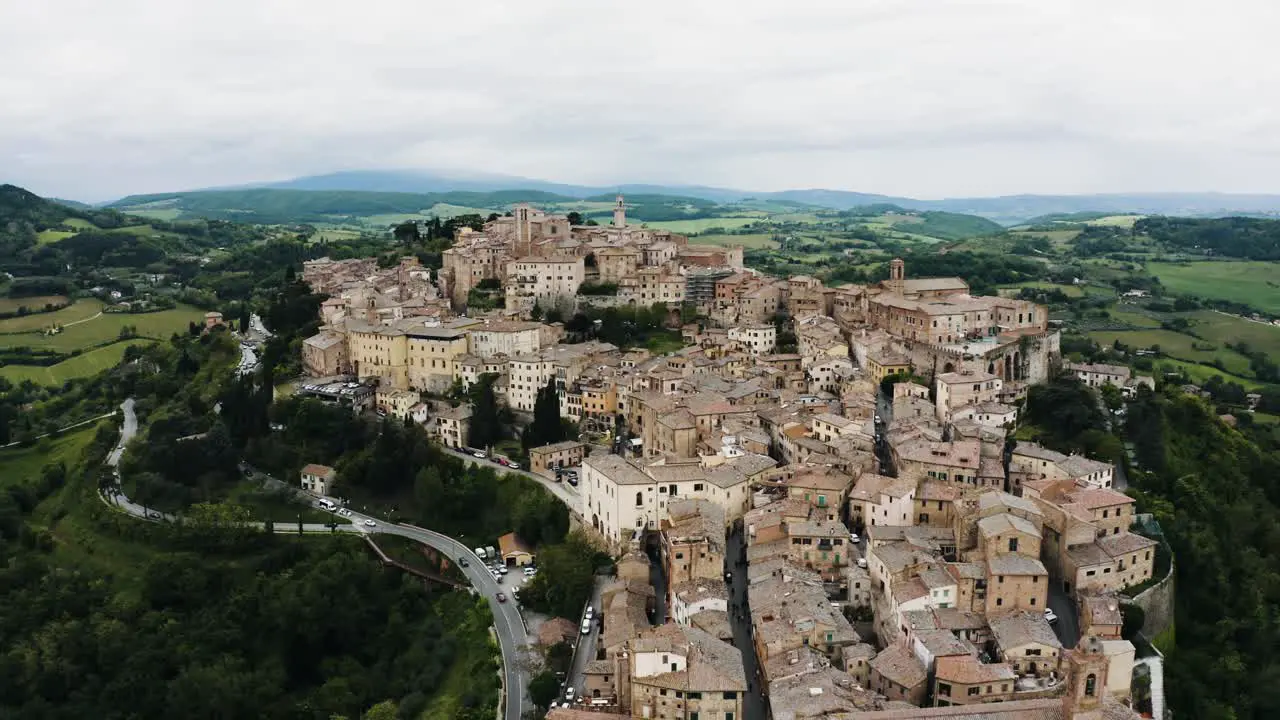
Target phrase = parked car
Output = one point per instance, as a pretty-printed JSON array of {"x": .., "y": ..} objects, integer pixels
[
  {"x": 853, "y": 538},
  {"x": 502, "y": 569},
  {"x": 1050, "y": 615},
  {"x": 478, "y": 454},
  {"x": 568, "y": 695},
  {"x": 530, "y": 571},
  {"x": 513, "y": 465},
  {"x": 586, "y": 627},
  {"x": 862, "y": 563}
]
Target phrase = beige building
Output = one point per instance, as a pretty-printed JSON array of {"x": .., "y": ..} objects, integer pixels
[
  {"x": 318, "y": 479},
  {"x": 679, "y": 672},
  {"x": 545, "y": 459},
  {"x": 397, "y": 403},
  {"x": 957, "y": 389},
  {"x": 964, "y": 680},
  {"x": 955, "y": 462},
  {"x": 1016, "y": 582},
  {"x": 1027, "y": 642},
  {"x": 324, "y": 355},
  {"x": 756, "y": 339},
  {"x": 453, "y": 425},
  {"x": 508, "y": 338},
  {"x": 898, "y": 674},
  {"x": 543, "y": 280}
]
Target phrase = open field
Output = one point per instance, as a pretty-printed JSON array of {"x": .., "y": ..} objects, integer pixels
[
  {"x": 1057, "y": 237},
  {"x": 1073, "y": 291},
  {"x": 8, "y": 305},
  {"x": 82, "y": 365},
  {"x": 19, "y": 463},
  {"x": 106, "y": 327},
  {"x": 1201, "y": 373},
  {"x": 166, "y": 214},
  {"x": 756, "y": 240},
  {"x": 78, "y": 223},
  {"x": 1133, "y": 316},
  {"x": 1253, "y": 283},
  {"x": 1122, "y": 221},
  {"x": 445, "y": 210},
  {"x": 46, "y": 237},
  {"x": 702, "y": 224},
  {"x": 795, "y": 217},
  {"x": 1176, "y": 345},
  {"x": 82, "y": 309},
  {"x": 1220, "y": 328}
]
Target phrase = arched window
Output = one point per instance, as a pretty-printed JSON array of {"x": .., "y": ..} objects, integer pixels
[
  {"x": 1091, "y": 685},
  {"x": 639, "y": 499}
]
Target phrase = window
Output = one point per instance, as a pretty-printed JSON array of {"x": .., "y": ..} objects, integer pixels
[
  {"x": 697, "y": 487},
  {"x": 730, "y": 695},
  {"x": 1091, "y": 685},
  {"x": 944, "y": 689},
  {"x": 974, "y": 691},
  {"x": 1013, "y": 544},
  {"x": 1033, "y": 602},
  {"x": 663, "y": 691},
  {"x": 695, "y": 696},
  {"x": 999, "y": 602}
]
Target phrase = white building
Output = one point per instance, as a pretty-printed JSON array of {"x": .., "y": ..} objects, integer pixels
[
  {"x": 758, "y": 340},
  {"x": 543, "y": 279},
  {"x": 505, "y": 338}
]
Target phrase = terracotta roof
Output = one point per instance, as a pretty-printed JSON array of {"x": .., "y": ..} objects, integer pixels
[
  {"x": 899, "y": 665},
  {"x": 967, "y": 670},
  {"x": 1015, "y": 629},
  {"x": 323, "y": 471}
]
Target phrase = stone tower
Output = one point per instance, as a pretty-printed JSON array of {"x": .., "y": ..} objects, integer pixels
[
  {"x": 897, "y": 275},
  {"x": 619, "y": 212},
  {"x": 523, "y": 243},
  {"x": 1086, "y": 681}
]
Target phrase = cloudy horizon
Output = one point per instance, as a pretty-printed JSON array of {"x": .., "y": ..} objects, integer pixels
[{"x": 921, "y": 98}]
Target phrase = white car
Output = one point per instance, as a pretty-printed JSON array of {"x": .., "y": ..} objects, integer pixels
[
  {"x": 530, "y": 571},
  {"x": 370, "y": 523},
  {"x": 478, "y": 454},
  {"x": 853, "y": 538},
  {"x": 1050, "y": 616},
  {"x": 586, "y": 627},
  {"x": 862, "y": 563},
  {"x": 568, "y": 696}
]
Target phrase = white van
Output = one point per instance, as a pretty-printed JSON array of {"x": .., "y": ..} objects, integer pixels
[{"x": 328, "y": 504}]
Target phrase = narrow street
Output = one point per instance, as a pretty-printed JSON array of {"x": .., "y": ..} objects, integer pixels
[
  {"x": 657, "y": 578},
  {"x": 585, "y": 650},
  {"x": 884, "y": 408},
  {"x": 1068, "y": 626},
  {"x": 753, "y": 705}
]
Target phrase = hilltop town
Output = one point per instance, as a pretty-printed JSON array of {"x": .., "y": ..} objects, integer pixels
[{"x": 827, "y": 475}]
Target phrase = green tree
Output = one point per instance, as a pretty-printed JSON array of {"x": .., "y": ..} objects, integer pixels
[
  {"x": 485, "y": 428},
  {"x": 544, "y": 688}
]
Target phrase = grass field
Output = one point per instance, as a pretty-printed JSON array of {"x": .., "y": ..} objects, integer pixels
[
  {"x": 19, "y": 463},
  {"x": 82, "y": 309},
  {"x": 78, "y": 223},
  {"x": 1122, "y": 221},
  {"x": 757, "y": 240},
  {"x": 106, "y": 327},
  {"x": 46, "y": 237},
  {"x": 1129, "y": 314},
  {"x": 703, "y": 224},
  {"x": 1201, "y": 373},
  {"x": 1176, "y": 345},
  {"x": 1253, "y": 283},
  {"x": 1221, "y": 328},
  {"x": 445, "y": 210},
  {"x": 795, "y": 217},
  {"x": 166, "y": 214},
  {"x": 8, "y": 305},
  {"x": 1074, "y": 291},
  {"x": 83, "y": 365}
]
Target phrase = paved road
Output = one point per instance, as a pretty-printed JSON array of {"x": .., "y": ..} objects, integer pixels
[
  {"x": 63, "y": 429},
  {"x": 508, "y": 624},
  {"x": 753, "y": 703},
  {"x": 585, "y": 651},
  {"x": 1068, "y": 626},
  {"x": 563, "y": 491}
]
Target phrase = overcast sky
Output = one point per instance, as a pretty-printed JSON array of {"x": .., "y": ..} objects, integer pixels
[{"x": 927, "y": 98}]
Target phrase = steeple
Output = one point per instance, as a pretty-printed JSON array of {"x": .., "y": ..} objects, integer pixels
[{"x": 619, "y": 213}]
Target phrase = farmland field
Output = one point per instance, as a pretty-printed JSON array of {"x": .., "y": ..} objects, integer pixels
[
  {"x": 1128, "y": 314},
  {"x": 757, "y": 240},
  {"x": 1220, "y": 328},
  {"x": 8, "y": 305},
  {"x": 166, "y": 214},
  {"x": 78, "y": 223},
  {"x": 106, "y": 327},
  {"x": 1074, "y": 291},
  {"x": 702, "y": 224},
  {"x": 1121, "y": 221},
  {"x": 1253, "y": 283},
  {"x": 46, "y": 237},
  {"x": 17, "y": 464},
  {"x": 1201, "y": 373},
  {"x": 83, "y": 365},
  {"x": 82, "y": 309},
  {"x": 1176, "y": 345}
]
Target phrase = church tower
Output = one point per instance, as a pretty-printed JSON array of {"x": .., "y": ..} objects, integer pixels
[
  {"x": 619, "y": 213},
  {"x": 897, "y": 275},
  {"x": 1086, "y": 681}
]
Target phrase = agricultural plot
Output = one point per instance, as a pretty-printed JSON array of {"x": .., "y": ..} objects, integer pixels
[
  {"x": 1221, "y": 328},
  {"x": 83, "y": 365},
  {"x": 8, "y": 305},
  {"x": 1253, "y": 283},
  {"x": 48, "y": 237},
  {"x": 17, "y": 464},
  {"x": 703, "y": 224},
  {"x": 105, "y": 328},
  {"x": 1177, "y": 345},
  {"x": 81, "y": 310},
  {"x": 1121, "y": 221},
  {"x": 762, "y": 241}
]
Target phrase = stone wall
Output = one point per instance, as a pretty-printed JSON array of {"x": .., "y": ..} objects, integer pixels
[{"x": 1157, "y": 602}]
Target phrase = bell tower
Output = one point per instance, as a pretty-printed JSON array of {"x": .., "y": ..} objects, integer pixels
[
  {"x": 1086, "y": 681},
  {"x": 619, "y": 212},
  {"x": 897, "y": 275}
]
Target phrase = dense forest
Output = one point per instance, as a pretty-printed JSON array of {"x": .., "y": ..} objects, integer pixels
[{"x": 1251, "y": 238}]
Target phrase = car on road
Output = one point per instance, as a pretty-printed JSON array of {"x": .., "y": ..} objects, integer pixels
[
  {"x": 586, "y": 627},
  {"x": 862, "y": 563},
  {"x": 513, "y": 465},
  {"x": 530, "y": 571},
  {"x": 1050, "y": 615},
  {"x": 879, "y": 420},
  {"x": 590, "y": 611},
  {"x": 370, "y": 523},
  {"x": 503, "y": 569},
  {"x": 478, "y": 454},
  {"x": 344, "y": 512},
  {"x": 853, "y": 538},
  {"x": 463, "y": 562},
  {"x": 568, "y": 695},
  {"x": 501, "y": 597}
]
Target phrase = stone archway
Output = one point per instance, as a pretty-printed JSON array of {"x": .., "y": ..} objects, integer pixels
[
  {"x": 991, "y": 368},
  {"x": 1008, "y": 368},
  {"x": 1017, "y": 365},
  {"x": 949, "y": 368}
]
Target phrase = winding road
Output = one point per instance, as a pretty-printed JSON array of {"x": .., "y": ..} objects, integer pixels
[{"x": 508, "y": 625}]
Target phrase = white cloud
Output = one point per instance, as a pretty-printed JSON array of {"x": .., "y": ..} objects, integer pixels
[{"x": 919, "y": 97}]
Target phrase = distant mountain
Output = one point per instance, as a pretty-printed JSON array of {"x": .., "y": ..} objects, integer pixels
[{"x": 1007, "y": 210}]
